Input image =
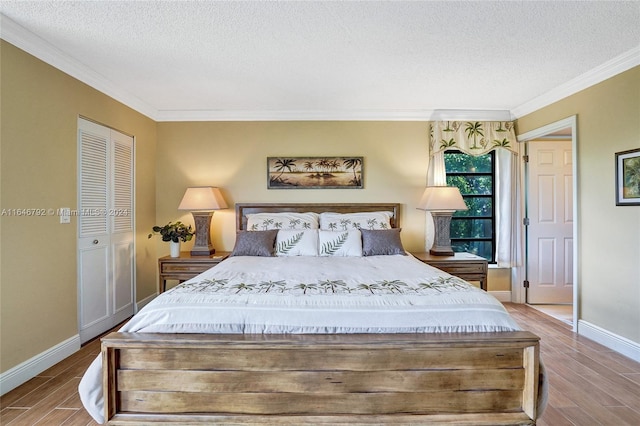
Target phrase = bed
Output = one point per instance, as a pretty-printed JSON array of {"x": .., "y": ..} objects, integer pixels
[{"x": 340, "y": 335}]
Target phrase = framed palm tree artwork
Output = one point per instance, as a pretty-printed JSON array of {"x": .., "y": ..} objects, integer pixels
[
  {"x": 628, "y": 178},
  {"x": 314, "y": 172}
]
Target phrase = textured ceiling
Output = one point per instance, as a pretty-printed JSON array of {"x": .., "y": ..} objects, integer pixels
[{"x": 387, "y": 59}]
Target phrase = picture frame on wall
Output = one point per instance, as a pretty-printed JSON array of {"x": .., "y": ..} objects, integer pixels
[
  {"x": 315, "y": 172},
  {"x": 628, "y": 178}
]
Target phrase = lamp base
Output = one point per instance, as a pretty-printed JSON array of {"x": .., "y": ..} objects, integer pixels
[
  {"x": 208, "y": 252},
  {"x": 442, "y": 239},
  {"x": 202, "y": 245},
  {"x": 441, "y": 251}
]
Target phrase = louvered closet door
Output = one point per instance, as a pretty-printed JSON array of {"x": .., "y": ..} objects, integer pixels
[
  {"x": 120, "y": 219},
  {"x": 105, "y": 229}
]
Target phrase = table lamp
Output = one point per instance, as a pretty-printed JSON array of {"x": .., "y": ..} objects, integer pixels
[
  {"x": 442, "y": 202},
  {"x": 202, "y": 201}
]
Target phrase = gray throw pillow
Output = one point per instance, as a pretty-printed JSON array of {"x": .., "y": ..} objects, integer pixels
[
  {"x": 381, "y": 242},
  {"x": 255, "y": 243}
]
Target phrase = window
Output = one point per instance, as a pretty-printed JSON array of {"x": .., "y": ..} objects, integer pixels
[{"x": 473, "y": 230}]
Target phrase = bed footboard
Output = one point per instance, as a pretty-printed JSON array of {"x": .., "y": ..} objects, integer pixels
[{"x": 475, "y": 378}]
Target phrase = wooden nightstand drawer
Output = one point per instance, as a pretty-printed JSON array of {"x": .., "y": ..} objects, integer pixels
[
  {"x": 463, "y": 268},
  {"x": 197, "y": 268}
]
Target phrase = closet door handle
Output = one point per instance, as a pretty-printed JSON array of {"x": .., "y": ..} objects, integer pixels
[{"x": 95, "y": 241}]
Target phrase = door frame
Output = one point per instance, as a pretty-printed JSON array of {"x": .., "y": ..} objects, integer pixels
[{"x": 519, "y": 290}]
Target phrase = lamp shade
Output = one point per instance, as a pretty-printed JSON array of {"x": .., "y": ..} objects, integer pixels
[
  {"x": 442, "y": 198},
  {"x": 202, "y": 198}
]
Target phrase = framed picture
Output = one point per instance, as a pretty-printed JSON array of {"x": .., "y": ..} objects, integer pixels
[
  {"x": 314, "y": 172},
  {"x": 628, "y": 178}
]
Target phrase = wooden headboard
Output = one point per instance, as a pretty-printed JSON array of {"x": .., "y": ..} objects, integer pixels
[{"x": 243, "y": 209}]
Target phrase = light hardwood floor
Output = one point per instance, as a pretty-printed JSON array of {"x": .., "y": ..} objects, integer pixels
[{"x": 588, "y": 383}]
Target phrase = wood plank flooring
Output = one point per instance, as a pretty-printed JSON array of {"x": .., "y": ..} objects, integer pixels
[{"x": 588, "y": 383}]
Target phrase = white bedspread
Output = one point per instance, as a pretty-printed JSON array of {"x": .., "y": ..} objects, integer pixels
[{"x": 377, "y": 294}]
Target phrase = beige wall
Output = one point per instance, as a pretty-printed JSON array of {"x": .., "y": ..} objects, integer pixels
[
  {"x": 232, "y": 155},
  {"x": 40, "y": 108},
  {"x": 499, "y": 279},
  {"x": 608, "y": 116}
]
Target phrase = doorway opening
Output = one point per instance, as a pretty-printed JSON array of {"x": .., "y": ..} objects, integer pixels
[{"x": 551, "y": 240}]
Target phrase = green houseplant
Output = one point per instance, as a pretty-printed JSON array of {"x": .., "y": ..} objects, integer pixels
[{"x": 174, "y": 233}]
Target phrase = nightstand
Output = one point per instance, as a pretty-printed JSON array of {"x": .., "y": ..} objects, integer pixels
[
  {"x": 186, "y": 266},
  {"x": 464, "y": 265}
]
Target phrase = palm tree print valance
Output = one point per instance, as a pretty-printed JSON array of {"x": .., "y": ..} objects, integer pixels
[{"x": 472, "y": 137}]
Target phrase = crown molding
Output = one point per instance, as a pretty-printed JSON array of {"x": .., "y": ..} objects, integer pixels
[
  {"x": 295, "y": 115},
  {"x": 350, "y": 115},
  {"x": 615, "y": 66},
  {"x": 470, "y": 114},
  {"x": 36, "y": 46}
]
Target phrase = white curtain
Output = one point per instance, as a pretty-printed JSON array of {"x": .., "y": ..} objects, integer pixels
[
  {"x": 479, "y": 138},
  {"x": 508, "y": 208}
]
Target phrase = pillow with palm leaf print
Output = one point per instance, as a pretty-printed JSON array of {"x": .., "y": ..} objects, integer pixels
[
  {"x": 340, "y": 243},
  {"x": 285, "y": 220},
  {"x": 293, "y": 242},
  {"x": 363, "y": 220}
]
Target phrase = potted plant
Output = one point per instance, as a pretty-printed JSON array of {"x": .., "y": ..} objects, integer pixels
[{"x": 174, "y": 233}]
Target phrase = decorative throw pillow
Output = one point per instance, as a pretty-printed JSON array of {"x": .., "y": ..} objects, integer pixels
[
  {"x": 255, "y": 243},
  {"x": 340, "y": 243},
  {"x": 346, "y": 221},
  {"x": 266, "y": 221},
  {"x": 290, "y": 242},
  {"x": 381, "y": 242}
]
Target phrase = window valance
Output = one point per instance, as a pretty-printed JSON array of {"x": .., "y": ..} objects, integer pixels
[{"x": 472, "y": 137}]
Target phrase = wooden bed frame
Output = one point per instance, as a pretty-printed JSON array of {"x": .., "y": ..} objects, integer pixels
[{"x": 455, "y": 378}]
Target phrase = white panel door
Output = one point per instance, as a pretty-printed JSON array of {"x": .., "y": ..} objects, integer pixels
[
  {"x": 105, "y": 229},
  {"x": 550, "y": 230}
]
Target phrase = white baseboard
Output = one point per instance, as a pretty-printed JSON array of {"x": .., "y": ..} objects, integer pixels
[
  {"x": 503, "y": 296},
  {"x": 612, "y": 341},
  {"x": 27, "y": 370}
]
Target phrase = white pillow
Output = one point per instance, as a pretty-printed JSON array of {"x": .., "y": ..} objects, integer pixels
[
  {"x": 364, "y": 220},
  {"x": 291, "y": 242},
  {"x": 266, "y": 221},
  {"x": 340, "y": 243}
]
